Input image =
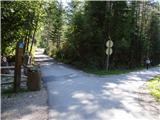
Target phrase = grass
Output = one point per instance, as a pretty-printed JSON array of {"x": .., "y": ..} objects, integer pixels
[
  {"x": 9, "y": 92},
  {"x": 110, "y": 72},
  {"x": 153, "y": 86}
]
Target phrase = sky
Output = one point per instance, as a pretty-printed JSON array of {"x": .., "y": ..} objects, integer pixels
[{"x": 64, "y": 2}]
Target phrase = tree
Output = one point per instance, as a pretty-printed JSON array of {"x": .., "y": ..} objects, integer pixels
[
  {"x": 53, "y": 24},
  {"x": 127, "y": 23},
  {"x": 19, "y": 19}
]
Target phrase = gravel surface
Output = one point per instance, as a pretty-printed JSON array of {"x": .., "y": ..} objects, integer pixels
[
  {"x": 25, "y": 106},
  {"x": 75, "y": 95}
]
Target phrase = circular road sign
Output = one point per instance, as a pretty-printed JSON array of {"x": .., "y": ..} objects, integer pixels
[
  {"x": 109, "y": 43},
  {"x": 109, "y": 51}
]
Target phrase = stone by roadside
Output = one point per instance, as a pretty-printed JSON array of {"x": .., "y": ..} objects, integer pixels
[
  {"x": 25, "y": 106},
  {"x": 148, "y": 102}
]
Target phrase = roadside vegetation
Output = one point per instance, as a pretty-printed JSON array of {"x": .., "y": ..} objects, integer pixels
[
  {"x": 77, "y": 33},
  {"x": 9, "y": 92},
  {"x": 85, "y": 26},
  {"x": 153, "y": 86},
  {"x": 110, "y": 72}
]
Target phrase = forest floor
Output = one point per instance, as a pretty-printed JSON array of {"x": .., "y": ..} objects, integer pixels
[{"x": 76, "y": 95}]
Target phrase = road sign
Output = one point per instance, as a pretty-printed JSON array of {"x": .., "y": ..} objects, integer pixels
[
  {"x": 109, "y": 43},
  {"x": 109, "y": 51},
  {"x": 20, "y": 44}
]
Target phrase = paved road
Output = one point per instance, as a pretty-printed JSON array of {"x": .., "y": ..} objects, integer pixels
[{"x": 75, "y": 95}]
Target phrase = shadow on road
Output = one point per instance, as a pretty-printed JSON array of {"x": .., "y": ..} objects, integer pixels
[{"x": 74, "y": 94}]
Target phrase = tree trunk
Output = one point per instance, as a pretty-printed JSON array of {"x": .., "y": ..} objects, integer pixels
[{"x": 33, "y": 38}]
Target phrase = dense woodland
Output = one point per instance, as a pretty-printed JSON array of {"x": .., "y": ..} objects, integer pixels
[
  {"x": 20, "y": 21},
  {"x": 77, "y": 33}
]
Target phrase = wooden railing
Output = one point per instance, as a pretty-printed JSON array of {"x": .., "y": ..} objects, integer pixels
[{"x": 10, "y": 75}]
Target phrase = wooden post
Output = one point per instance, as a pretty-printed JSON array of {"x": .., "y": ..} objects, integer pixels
[{"x": 18, "y": 63}]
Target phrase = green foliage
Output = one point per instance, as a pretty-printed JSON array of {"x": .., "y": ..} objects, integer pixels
[
  {"x": 18, "y": 20},
  {"x": 53, "y": 26},
  {"x": 154, "y": 87},
  {"x": 77, "y": 34},
  {"x": 110, "y": 72},
  {"x": 9, "y": 91},
  {"x": 133, "y": 30},
  {"x": 154, "y": 36}
]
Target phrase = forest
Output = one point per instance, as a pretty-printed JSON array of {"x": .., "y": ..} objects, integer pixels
[{"x": 76, "y": 33}]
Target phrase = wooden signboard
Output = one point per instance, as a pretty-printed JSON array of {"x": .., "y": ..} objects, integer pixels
[{"x": 18, "y": 63}]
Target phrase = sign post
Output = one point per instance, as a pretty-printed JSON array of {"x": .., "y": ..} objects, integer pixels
[
  {"x": 18, "y": 63},
  {"x": 109, "y": 45}
]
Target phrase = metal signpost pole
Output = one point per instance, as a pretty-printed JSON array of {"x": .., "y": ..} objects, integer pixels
[
  {"x": 109, "y": 45},
  {"x": 107, "y": 62},
  {"x": 108, "y": 58}
]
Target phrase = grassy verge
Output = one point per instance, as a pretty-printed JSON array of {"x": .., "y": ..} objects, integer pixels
[
  {"x": 9, "y": 92},
  {"x": 154, "y": 87},
  {"x": 110, "y": 72}
]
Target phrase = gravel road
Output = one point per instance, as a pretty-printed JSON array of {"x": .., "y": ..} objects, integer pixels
[
  {"x": 75, "y": 95},
  {"x": 25, "y": 106}
]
